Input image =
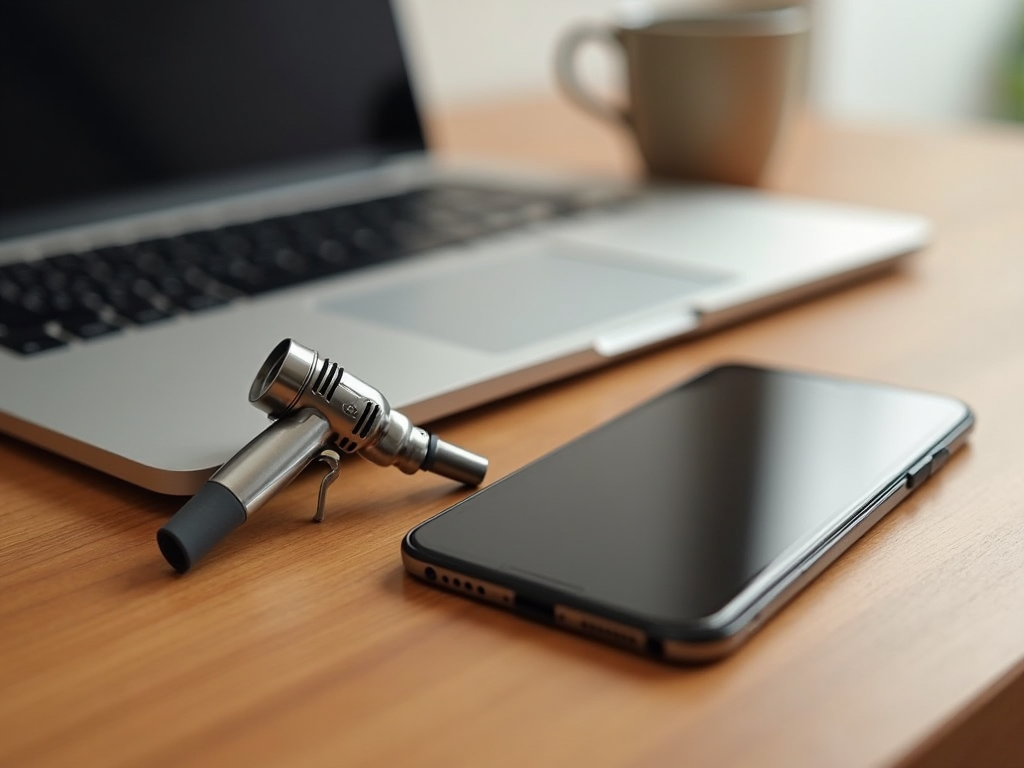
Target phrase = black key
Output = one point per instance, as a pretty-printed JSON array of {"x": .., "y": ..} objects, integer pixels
[
  {"x": 134, "y": 307},
  {"x": 332, "y": 253},
  {"x": 85, "y": 324},
  {"x": 181, "y": 252},
  {"x": 14, "y": 317},
  {"x": 29, "y": 341},
  {"x": 227, "y": 243},
  {"x": 370, "y": 242},
  {"x": 144, "y": 315},
  {"x": 199, "y": 302},
  {"x": 146, "y": 258},
  {"x": 20, "y": 274},
  {"x": 238, "y": 274},
  {"x": 93, "y": 330},
  {"x": 310, "y": 225},
  {"x": 268, "y": 234},
  {"x": 410, "y": 237},
  {"x": 174, "y": 289}
]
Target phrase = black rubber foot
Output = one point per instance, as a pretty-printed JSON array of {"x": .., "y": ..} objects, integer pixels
[{"x": 205, "y": 519}]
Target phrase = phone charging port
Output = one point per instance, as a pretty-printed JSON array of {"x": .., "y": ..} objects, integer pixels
[{"x": 535, "y": 608}]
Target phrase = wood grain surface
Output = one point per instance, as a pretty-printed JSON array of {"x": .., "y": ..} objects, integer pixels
[{"x": 303, "y": 645}]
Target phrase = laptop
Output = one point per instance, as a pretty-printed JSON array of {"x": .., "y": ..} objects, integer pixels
[{"x": 184, "y": 184}]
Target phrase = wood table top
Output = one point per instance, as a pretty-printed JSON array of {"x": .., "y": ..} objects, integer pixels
[{"x": 302, "y": 645}]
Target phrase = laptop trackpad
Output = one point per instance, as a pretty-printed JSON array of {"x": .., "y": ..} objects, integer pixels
[{"x": 498, "y": 306}]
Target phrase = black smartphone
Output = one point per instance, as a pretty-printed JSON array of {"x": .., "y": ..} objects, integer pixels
[{"x": 678, "y": 528}]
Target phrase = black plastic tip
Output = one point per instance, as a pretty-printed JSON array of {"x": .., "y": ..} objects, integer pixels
[{"x": 206, "y": 518}]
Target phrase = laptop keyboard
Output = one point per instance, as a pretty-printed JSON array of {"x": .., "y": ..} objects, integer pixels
[{"x": 70, "y": 297}]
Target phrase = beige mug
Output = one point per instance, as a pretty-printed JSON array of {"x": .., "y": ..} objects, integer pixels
[{"x": 710, "y": 94}]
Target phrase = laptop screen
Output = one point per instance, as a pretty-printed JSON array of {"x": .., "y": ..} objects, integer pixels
[{"x": 110, "y": 98}]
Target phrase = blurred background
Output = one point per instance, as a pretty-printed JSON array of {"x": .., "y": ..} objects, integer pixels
[{"x": 871, "y": 60}]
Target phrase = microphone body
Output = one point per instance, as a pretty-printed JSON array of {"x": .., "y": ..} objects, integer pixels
[{"x": 316, "y": 406}]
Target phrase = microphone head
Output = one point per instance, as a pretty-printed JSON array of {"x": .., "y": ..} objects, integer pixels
[
  {"x": 294, "y": 377},
  {"x": 282, "y": 378}
]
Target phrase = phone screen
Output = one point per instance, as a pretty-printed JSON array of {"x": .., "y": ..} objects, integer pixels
[{"x": 669, "y": 511}]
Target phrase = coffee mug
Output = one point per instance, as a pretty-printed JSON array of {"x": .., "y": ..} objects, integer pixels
[{"x": 710, "y": 94}]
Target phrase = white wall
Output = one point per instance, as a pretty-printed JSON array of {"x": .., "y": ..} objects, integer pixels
[
  {"x": 912, "y": 59},
  {"x": 466, "y": 50},
  {"x": 873, "y": 59}
]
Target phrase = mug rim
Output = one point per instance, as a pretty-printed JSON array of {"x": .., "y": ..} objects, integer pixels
[{"x": 788, "y": 19}]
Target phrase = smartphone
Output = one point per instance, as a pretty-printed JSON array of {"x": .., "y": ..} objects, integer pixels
[{"x": 677, "y": 529}]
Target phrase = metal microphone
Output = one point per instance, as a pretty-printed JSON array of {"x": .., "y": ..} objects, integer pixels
[{"x": 321, "y": 411}]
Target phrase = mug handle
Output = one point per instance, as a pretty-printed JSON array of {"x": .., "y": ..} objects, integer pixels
[{"x": 565, "y": 71}]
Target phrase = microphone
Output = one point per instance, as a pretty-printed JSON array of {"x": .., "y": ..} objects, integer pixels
[{"x": 320, "y": 411}]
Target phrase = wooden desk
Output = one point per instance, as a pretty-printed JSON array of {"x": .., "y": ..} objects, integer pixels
[{"x": 299, "y": 645}]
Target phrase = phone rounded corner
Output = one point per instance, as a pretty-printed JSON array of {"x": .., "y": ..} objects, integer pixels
[
  {"x": 409, "y": 548},
  {"x": 731, "y": 365},
  {"x": 418, "y": 560},
  {"x": 961, "y": 432},
  {"x": 691, "y": 645},
  {"x": 412, "y": 560},
  {"x": 970, "y": 416}
]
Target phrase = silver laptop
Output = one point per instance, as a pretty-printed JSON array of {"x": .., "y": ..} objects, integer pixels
[{"x": 184, "y": 184}]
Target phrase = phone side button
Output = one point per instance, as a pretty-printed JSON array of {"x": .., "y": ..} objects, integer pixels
[{"x": 919, "y": 473}]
